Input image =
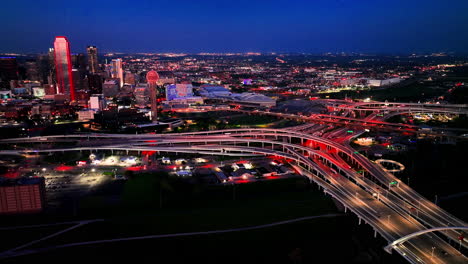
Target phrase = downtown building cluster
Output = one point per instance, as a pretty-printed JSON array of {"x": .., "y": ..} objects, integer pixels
[{"x": 111, "y": 90}]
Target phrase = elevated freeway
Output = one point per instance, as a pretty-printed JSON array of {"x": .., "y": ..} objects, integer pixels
[{"x": 388, "y": 208}]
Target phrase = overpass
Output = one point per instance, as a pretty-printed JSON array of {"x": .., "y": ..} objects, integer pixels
[{"x": 332, "y": 166}]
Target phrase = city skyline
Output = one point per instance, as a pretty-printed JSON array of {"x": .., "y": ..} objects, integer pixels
[
  {"x": 260, "y": 131},
  {"x": 259, "y": 26}
]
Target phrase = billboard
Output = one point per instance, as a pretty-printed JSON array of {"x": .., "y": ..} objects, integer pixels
[{"x": 178, "y": 91}]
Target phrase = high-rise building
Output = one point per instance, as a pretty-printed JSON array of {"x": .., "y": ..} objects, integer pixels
[
  {"x": 93, "y": 65},
  {"x": 32, "y": 70},
  {"x": 110, "y": 88},
  {"x": 8, "y": 70},
  {"x": 94, "y": 83},
  {"x": 152, "y": 78},
  {"x": 63, "y": 66},
  {"x": 116, "y": 70},
  {"x": 43, "y": 67},
  {"x": 130, "y": 78},
  {"x": 52, "y": 78}
]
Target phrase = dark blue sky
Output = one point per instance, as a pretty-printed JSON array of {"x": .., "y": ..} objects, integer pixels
[{"x": 315, "y": 26}]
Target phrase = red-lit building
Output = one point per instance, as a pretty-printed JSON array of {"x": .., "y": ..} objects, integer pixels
[
  {"x": 63, "y": 66},
  {"x": 24, "y": 195}
]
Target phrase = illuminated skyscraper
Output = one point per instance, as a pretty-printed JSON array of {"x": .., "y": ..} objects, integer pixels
[
  {"x": 92, "y": 59},
  {"x": 116, "y": 70},
  {"x": 152, "y": 78},
  {"x": 63, "y": 66}
]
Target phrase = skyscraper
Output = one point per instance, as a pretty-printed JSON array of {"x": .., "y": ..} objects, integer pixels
[
  {"x": 116, "y": 70},
  {"x": 8, "y": 70},
  {"x": 52, "y": 78},
  {"x": 92, "y": 59},
  {"x": 152, "y": 78},
  {"x": 63, "y": 66}
]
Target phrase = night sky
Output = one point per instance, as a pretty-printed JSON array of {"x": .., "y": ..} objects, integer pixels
[{"x": 313, "y": 26}]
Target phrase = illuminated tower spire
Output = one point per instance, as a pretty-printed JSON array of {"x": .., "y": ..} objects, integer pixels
[
  {"x": 63, "y": 67},
  {"x": 152, "y": 78}
]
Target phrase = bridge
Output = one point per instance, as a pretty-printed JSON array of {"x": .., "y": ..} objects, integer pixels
[
  {"x": 369, "y": 115},
  {"x": 393, "y": 210}
]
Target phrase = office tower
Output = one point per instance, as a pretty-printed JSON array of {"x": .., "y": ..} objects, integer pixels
[
  {"x": 8, "y": 70},
  {"x": 130, "y": 78},
  {"x": 95, "y": 83},
  {"x": 79, "y": 62},
  {"x": 116, "y": 71},
  {"x": 152, "y": 78},
  {"x": 43, "y": 67},
  {"x": 52, "y": 78},
  {"x": 110, "y": 88},
  {"x": 77, "y": 80},
  {"x": 32, "y": 70},
  {"x": 93, "y": 65},
  {"x": 63, "y": 66}
]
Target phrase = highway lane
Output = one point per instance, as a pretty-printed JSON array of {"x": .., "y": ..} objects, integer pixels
[{"x": 171, "y": 139}]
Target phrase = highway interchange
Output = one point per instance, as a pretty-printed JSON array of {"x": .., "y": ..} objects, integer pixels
[{"x": 323, "y": 154}]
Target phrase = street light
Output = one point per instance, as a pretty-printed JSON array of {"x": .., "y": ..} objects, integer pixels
[
  {"x": 432, "y": 253},
  {"x": 93, "y": 170}
]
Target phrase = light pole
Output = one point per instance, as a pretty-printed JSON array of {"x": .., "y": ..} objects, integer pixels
[{"x": 432, "y": 253}]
